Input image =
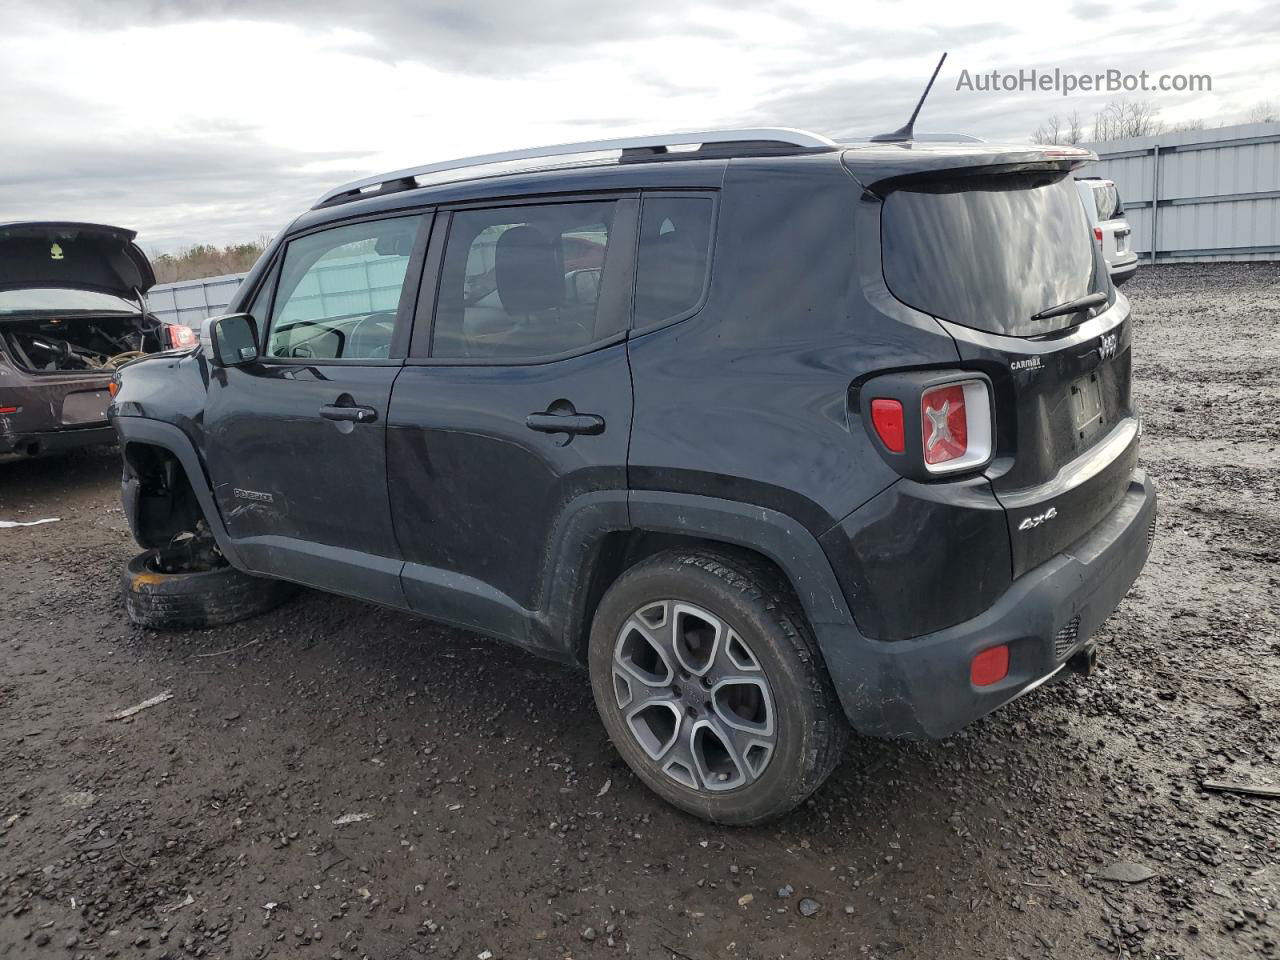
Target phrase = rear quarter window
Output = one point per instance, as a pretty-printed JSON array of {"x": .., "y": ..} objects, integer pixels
[{"x": 674, "y": 257}]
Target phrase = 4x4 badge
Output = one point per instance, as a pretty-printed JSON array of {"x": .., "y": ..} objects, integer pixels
[{"x": 1032, "y": 522}]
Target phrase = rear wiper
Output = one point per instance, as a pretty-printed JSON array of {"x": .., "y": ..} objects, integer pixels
[{"x": 1072, "y": 306}]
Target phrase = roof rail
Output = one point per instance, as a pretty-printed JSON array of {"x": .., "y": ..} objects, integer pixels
[{"x": 404, "y": 179}]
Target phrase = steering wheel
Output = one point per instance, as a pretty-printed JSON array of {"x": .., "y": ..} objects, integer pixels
[{"x": 364, "y": 330}]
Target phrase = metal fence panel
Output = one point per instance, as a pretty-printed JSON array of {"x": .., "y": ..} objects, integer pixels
[
  {"x": 1202, "y": 194},
  {"x": 190, "y": 301}
]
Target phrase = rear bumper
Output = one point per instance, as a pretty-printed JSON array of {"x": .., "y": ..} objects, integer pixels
[
  {"x": 1120, "y": 272},
  {"x": 920, "y": 687},
  {"x": 55, "y": 441}
]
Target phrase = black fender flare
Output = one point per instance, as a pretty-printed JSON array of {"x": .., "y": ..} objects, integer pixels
[
  {"x": 169, "y": 437},
  {"x": 780, "y": 537},
  {"x": 588, "y": 520}
]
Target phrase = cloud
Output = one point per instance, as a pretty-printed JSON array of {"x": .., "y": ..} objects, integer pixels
[
  {"x": 219, "y": 120},
  {"x": 490, "y": 37}
]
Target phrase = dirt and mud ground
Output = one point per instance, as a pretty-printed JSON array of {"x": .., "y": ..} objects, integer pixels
[{"x": 496, "y": 820}]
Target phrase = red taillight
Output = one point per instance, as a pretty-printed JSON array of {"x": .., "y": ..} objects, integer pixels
[
  {"x": 4, "y": 410},
  {"x": 180, "y": 337},
  {"x": 944, "y": 424},
  {"x": 955, "y": 426},
  {"x": 886, "y": 417},
  {"x": 1097, "y": 235},
  {"x": 990, "y": 666}
]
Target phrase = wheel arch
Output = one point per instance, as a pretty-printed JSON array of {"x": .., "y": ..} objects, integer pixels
[
  {"x": 150, "y": 444},
  {"x": 659, "y": 521}
]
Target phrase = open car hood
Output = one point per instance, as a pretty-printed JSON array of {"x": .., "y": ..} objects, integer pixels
[{"x": 74, "y": 256}]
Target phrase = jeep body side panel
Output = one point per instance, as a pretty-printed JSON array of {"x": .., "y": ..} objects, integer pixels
[
  {"x": 302, "y": 492},
  {"x": 748, "y": 400},
  {"x": 480, "y": 483},
  {"x": 477, "y": 496},
  {"x": 302, "y": 498},
  {"x": 755, "y": 398}
]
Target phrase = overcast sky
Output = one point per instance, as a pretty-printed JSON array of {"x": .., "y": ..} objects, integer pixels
[{"x": 219, "y": 120}]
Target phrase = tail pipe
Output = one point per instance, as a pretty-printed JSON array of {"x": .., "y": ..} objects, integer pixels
[{"x": 1085, "y": 660}]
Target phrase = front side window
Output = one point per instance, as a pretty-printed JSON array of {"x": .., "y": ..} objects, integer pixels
[
  {"x": 671, "y": 265},
  {"x": 523, "y": 282},
  {"x": 339, "y": 291}
]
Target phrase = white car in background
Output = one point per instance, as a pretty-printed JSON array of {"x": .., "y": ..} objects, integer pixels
[{"x": 1110, "y": 228}]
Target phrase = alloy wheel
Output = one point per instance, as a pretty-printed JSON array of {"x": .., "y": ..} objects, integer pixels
[{"x": 694, "y": 696}]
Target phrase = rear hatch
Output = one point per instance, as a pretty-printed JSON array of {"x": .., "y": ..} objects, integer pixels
[
  {"x": 74, "y": 256},
  {"x": 990, "y": 240},
  {"x": 72, "y": 298}
]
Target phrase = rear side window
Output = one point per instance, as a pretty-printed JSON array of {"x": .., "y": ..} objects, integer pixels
[
  {"x": 340, "y": 290},
  {"x": 990, "y": 251},
  {"x": 672, "y": 261},
  {"x": 523, "y": 282}
]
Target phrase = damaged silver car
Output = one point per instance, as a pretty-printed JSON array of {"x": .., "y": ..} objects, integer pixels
[{"x": 72, "y": 311}]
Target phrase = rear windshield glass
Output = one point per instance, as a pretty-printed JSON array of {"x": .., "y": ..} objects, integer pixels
[
  {"x": 47, "y": 299},
  {"x": 989, "y": 252}
]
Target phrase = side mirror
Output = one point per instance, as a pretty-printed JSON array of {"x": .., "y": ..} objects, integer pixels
[{"x": 231, "y": 340}]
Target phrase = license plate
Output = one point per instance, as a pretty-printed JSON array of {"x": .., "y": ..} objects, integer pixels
[
  {"x": 85, "y": 406},
  {"x": 1086, "y": 404}
]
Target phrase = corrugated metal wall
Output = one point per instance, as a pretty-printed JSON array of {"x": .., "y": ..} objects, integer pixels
[
  {"x": 1214, "y": 194},
  {"x": 190, "y": 301}
]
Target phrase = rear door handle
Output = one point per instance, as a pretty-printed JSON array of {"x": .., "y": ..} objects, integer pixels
[
  {"x": 353, "y": 414},
  {"x": 575, "y": 423}
]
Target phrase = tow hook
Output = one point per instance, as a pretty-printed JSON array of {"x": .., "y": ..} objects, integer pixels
[{"x": 1085, "y": 660}]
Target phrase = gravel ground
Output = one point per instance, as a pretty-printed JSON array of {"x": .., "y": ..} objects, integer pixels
[{"x": 336, "y": 780}]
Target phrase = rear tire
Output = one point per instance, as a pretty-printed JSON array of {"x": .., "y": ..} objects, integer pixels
[
  {"x": 202, "y": 598},
  {"x": 708, "y": 680}
]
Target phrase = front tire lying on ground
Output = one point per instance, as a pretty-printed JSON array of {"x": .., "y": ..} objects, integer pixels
[
  {"x": 163, "y": 590},
  {"x": 709, "y": 683}
]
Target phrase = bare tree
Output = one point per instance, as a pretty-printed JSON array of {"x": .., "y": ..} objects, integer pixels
[
  {"x": 1059, "y": 130},
  {"x": 1181, "y": 125},
  {"x": 1265, "y": 111},
  {"x": 1126, "y": 118},
  {"x": 1075, "y": 132},
  {"x": 1048, "y": 132}
]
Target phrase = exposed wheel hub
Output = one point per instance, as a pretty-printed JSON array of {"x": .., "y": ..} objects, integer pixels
[{"x": 694, "y": 696}]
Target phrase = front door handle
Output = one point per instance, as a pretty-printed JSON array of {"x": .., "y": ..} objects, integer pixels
[
  {"x": 350, "y": 414},
  {"x": 575, "y": 423}
]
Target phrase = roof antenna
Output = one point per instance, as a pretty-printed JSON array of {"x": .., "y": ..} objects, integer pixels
[{"x": 904, "y": 133}]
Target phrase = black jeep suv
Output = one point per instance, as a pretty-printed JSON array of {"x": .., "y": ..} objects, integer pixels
[{"x": 775, "y": 436}]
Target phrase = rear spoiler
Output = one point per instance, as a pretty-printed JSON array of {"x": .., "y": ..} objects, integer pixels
[{"x": 881, "y": 167}]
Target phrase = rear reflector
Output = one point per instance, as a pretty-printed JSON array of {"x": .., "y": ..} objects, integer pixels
[
  {"x": 886, "y": 417},
  {"x": 955, "y": 426},
  {"x": 1097, "y": 235},
  {"x": 990, "y": 666}
]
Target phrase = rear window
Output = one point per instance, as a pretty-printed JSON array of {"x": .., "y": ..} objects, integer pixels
[
  {"x": 53, "y": 300},
  {"x": 988, "y": 252}
]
